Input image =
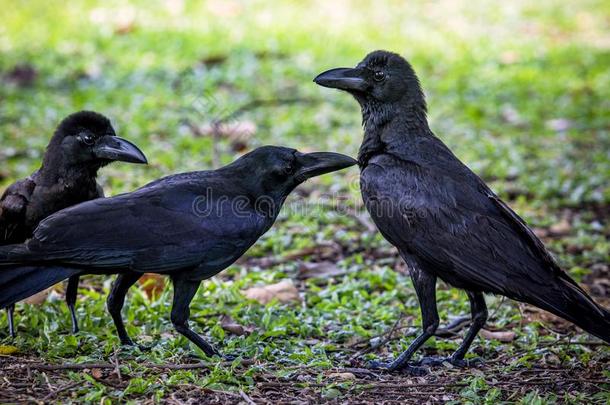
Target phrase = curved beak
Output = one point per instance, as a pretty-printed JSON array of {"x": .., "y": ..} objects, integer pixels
[
  {"x": 118, "y": 149},
  {"x": 317, "y": 163},
  {"x": 343, "y": 79}
]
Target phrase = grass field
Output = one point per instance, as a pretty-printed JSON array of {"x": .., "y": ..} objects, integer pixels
[{"x": 519, "y": 90}]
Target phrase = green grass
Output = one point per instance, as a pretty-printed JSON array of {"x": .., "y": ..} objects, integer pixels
[{"x": 520, "y": 92}]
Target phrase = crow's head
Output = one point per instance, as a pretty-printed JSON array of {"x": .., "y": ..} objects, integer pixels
[
  {"x": 275, "y": 171},
  {"x": 382, "y": 78},
  {"x": 87, "y": 138}
]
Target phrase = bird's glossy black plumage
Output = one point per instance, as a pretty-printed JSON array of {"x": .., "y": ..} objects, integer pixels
[
  {"x": 82, "y": 143},
  {"x": 188, "y": 226},
  {"x": 443, "y": 219}
]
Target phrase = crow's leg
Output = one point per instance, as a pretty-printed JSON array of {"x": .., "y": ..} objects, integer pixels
[
  {"x": 71, "y": 292},
  {"x": 184, "y": 291},
  {"x": 9, "y": 316},
  {"x": 425, "y": 287},
  {"x": 115, "y": 302},
  {"x": 478, "y": 309},
  {"x": 454, "y": 327}
]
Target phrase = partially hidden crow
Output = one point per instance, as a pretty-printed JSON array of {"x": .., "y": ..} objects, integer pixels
[
  {"x": 188, "y": 226},
  {"x": 443, "y": 219},
  {"x": 82, "y": 143}
]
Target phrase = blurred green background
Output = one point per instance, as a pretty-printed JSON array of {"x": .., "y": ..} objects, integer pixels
[{"x": 519, "y": 90}]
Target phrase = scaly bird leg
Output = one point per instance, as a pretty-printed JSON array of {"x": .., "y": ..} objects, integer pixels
[
  {"x": 425, "y": 287},
  {"x": 9, "y": 316},
  {"x": 184, "y": 291},
  {"x": 71, "y": 293},
  {"x": 478, "y": 309},
  {"x": 116, "y": 300}
]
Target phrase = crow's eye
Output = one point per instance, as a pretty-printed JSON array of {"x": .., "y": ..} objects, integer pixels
[
  {"x": 87, "y": 139},
  {"x": 378, "y": 76},
  {"x": 288, "y": 170}
]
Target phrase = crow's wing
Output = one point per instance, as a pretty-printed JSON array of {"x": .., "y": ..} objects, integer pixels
[
  {"x": 162, "y": 228},
  {"x": 13, "y": 207},
  {"x": 452, "y": 222}
]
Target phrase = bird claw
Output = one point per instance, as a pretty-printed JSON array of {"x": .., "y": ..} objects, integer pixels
[
  {"x": 145, "y": 348},
  {"x": 435, "y": 361},
  {"x": 391, "y": 367},
  {"x": 229, "y": 356},
  {"x": 130, "y": 344}
]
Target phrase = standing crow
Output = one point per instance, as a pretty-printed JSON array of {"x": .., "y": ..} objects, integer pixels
[
  {"x": 189, "y": 226},
  {"x": 83, "y": 143},
  {"x": 442, "y": 218}
]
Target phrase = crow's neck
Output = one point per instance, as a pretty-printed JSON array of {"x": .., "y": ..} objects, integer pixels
[
  {"x": 387, "y": 126},
  {"x": 265, "y": 196},
  {"x": 56, "y": 170}
]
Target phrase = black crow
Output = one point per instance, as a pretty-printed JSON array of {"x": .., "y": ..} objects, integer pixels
[
  {"x": 443, "y": 219},
  {"x": 188, "y": 226},
  {"x": 82, "y": 143}
]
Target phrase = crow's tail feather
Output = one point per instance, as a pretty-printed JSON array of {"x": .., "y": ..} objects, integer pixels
[
  {"x": 18, "y": 283},
  {"x": 573, "y": 304}
]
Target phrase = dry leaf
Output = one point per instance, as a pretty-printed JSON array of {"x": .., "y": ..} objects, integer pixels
[
  {"x": 284, "y": 292},
  {"x": 342, "y": 376},
  {"x": 39, "y": 297},
  {"x": 504, "y": 337},
  {"x": 561, "y": 228},
  {"x": 325, "y": 269},
  {"x": 229, "y": 324},
  {"x": 152, "y": 284},
  {"x": 96, "y": 373},
  {"x": 541, "y": 232}
]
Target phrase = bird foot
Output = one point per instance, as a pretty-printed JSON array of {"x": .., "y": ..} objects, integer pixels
[
  {"x": 406, "y": 369},
  {"x": 130, "y": 344},
  {"x": 435, "y": 361},
  {"x": 229, "y": 356}
]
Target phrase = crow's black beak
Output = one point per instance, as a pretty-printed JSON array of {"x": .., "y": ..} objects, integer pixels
[
  {"x": 342, "y": 78},
  {"x": 317, "y": 163},
  {"x": 118, "y": 149}
]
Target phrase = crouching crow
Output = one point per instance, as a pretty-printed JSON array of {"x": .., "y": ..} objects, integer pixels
[
  {"x": 188, "y": 226},
  {"x": 442, "y": 218},
  {"x": 83, "y": 143}
]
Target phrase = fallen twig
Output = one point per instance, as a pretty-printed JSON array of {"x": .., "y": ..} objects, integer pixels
[
  {"x": 246, "y": 398},
  {"x": 117, "y": 369},
  {"x": 66, "y": 387},
  {"x": 68, "y": 366},
  {"x": 83, "y": 366}
]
